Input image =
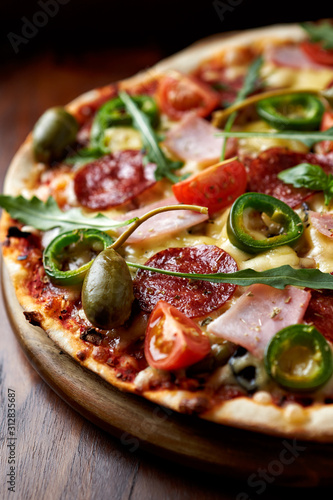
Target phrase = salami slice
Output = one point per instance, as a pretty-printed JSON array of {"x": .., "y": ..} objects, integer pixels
[
  {"x": 113, "y": 180},
  {"x": 263, "y": 171},
  {"x": 194, "y": 298},
  {"x": 320, "y": 312}
]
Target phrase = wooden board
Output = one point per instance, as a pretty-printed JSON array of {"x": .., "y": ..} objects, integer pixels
[{"x": 141, "y": 424}]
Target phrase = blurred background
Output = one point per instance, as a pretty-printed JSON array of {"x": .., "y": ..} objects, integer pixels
[{"x": 77, "y": 25}]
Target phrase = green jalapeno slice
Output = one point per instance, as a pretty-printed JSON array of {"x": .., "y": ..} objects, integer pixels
[
  {"x": 300, "y": 111},
  {"x": 298, "y": 357},
  {"x": 113, "y": 113},
  {"x": 68, "y": 257},
  {"x": 258, "y": 222}
]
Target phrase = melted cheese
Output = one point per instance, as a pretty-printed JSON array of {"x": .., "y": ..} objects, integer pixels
[
  {"x": 120, "y": 138},
  {"x": 296, "y": 78},
  {"x": 255, "y": 145},
  {"x": 279, "y": 256},
  {"x": 320, "y": 249}
]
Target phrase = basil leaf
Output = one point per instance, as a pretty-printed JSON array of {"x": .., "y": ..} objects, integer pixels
[
  {"x": 328, "y": 192},
  {"x": 305, "y": 175},
  {"x": 322, "y": 33},
  {"x": 164, "y": 166},
  {"x": 278, "y": 277},
  {"x": 308, "y": 138},
  {"x": 47, "y": 215},
  {"x": 311, "y": 177}
]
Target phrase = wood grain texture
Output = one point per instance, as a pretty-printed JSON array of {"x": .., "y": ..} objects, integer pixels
[{"x": 59, "y": 453}]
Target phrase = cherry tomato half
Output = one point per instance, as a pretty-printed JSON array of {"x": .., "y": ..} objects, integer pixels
[
  {"x": 178, "y": 94},
  {"x": 317, "y": 53},
  {"x": 216, "y": 187},
  {"x": 173, "y": 341}
]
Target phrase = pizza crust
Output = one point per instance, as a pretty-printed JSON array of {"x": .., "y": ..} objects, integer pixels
[{"x": 256, "y": 414}]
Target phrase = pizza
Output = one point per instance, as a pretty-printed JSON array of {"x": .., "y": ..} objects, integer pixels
[{"x": 172, "y": 232}]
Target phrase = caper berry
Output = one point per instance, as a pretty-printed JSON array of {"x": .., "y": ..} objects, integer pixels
[
  {"x": 54, "y": 131},
  {"x": 107, "y": 292}
]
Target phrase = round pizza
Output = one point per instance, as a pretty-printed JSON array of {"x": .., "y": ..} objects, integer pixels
[{"x": 172, "y": 232}]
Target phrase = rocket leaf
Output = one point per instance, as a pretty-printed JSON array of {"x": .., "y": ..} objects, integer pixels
[{"x": 47, "y": 215}]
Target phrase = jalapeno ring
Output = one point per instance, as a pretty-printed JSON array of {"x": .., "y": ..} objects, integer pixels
[
  {"x": 113, "y": 113},
  {"x": 66, "y": 250},
  {"x": 288, "y": 225},
  {"x": 298, "y": 111},
  {"x": 298, "y": 357}
]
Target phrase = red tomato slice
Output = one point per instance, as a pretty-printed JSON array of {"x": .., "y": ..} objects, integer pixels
[
  {"x": 215, "y": 187},
  {"x": 173, "y": 341},
  {"x": 317, "y": 54},
  {"x": 178, "y": 94},
  {"x": 325, "y": 147},
  {"x": 327, "y": 120}
]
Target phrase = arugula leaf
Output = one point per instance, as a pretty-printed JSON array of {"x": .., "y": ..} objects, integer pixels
[
  {"x": 247, "y": 88},
  {"x": 154, "y": 153},
  {"x": 47, "y": 215},
  {"x": 308, "y": 138},
  {"x": 322, "y": 32},
  {"x": 309, "y": 176},
  {"x": 278, "y": 277},
  {"x": 251, "y": 79}
]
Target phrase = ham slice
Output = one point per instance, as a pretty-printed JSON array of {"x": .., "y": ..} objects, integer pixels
[
  {"x": 193, "y": 138},
  {"x": 291, "y": 56},
  {"x": 259, "y": 314},
  {"x": 323, "y": 223},
  {"x": 162, "y": 225}
]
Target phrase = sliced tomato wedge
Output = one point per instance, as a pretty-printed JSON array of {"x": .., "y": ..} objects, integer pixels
[
  {"x": 216, "y": 187},
  {"x": 317, "y": 53},
  {"x": 179, "y": 94},
  {"x": 325, "y": 147},
  {"x": 327, "y": 120},
  {"x": 173, "y": 341}
]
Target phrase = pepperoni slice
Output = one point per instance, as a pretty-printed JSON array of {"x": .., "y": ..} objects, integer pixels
[
  {"x": 113, "y": 180},
  {"x": 263, "y": 171},
  {"x": 320, "y": 312},
  {"x": 194, "y": 298}
]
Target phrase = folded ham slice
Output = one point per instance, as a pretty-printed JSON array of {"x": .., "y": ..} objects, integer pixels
[
  {"x": 194, "y": 138},
  {"x": 259, "y": 314},
  {"x": 291, "y": 56},
  {"x": 322, "y": 222},
  {"x": 162, "y": 225}
]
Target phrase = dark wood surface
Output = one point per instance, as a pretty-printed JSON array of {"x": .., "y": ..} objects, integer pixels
[{"x": 58, "y": 453}]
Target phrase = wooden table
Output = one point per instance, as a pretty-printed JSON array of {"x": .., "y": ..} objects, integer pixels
[{"x": 59, "y": 454}]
